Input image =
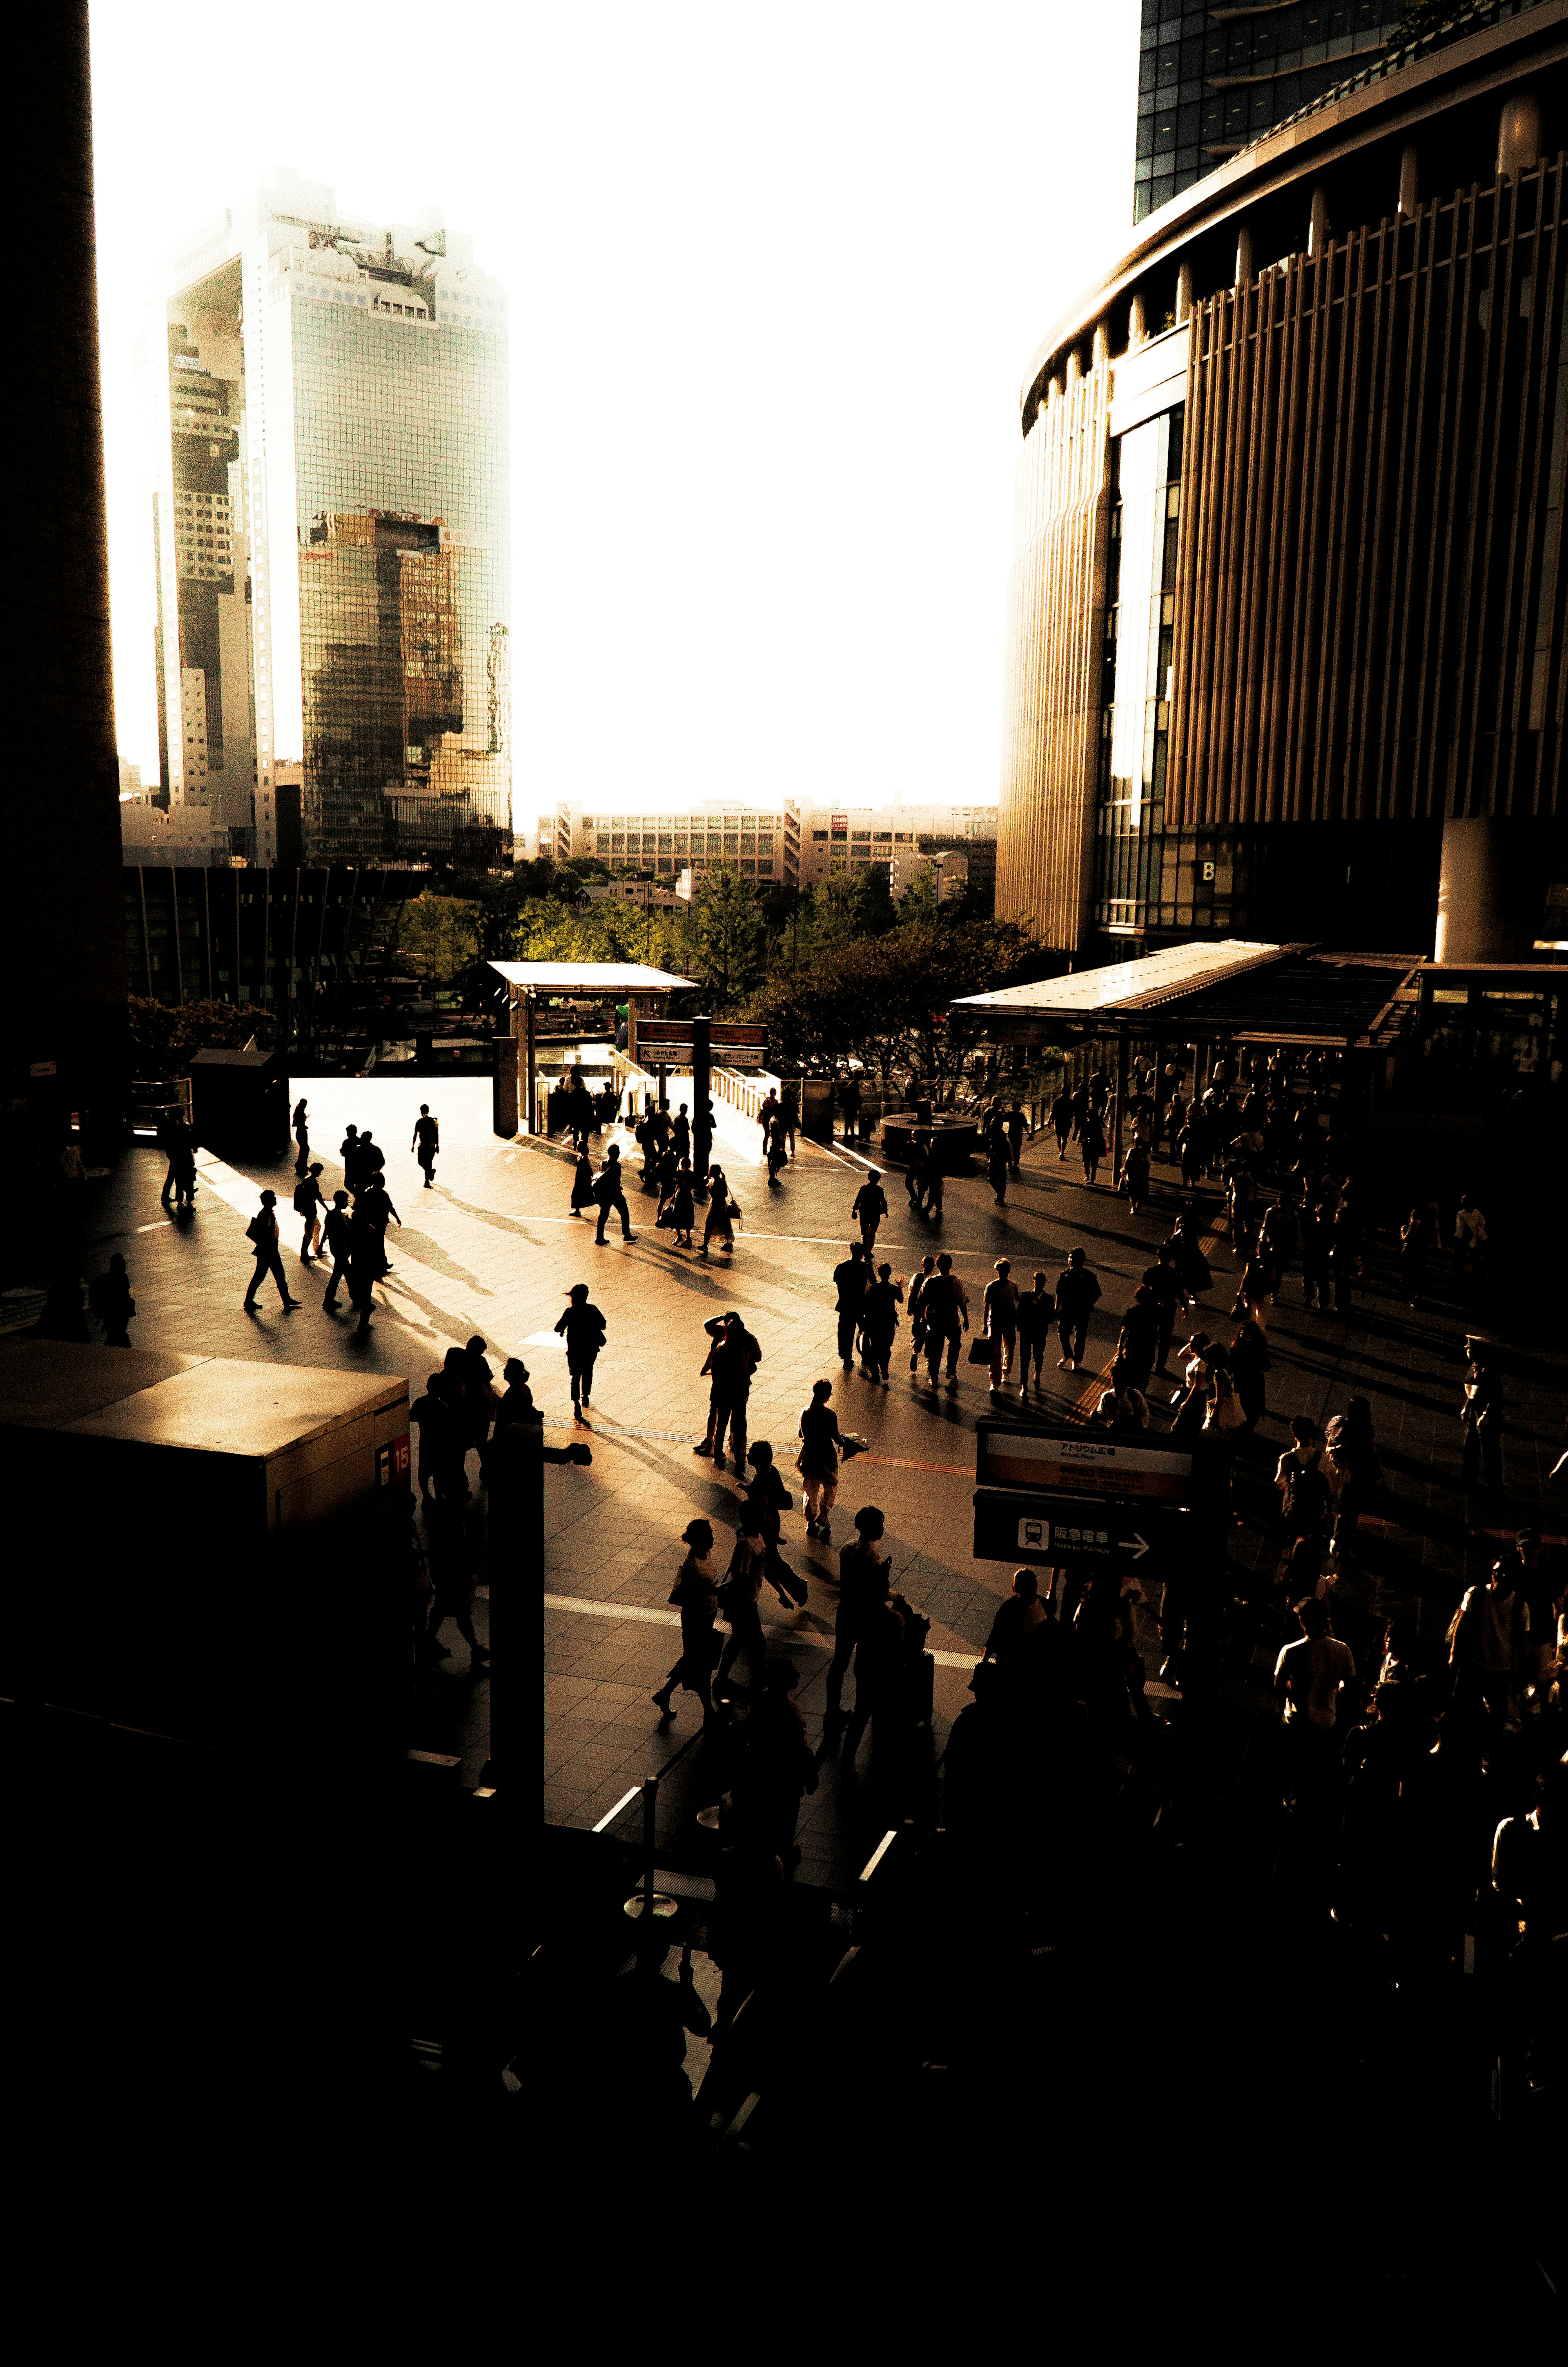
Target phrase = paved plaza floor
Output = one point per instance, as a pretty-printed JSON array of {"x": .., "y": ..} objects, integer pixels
[{"x": 492, "y": 1249}]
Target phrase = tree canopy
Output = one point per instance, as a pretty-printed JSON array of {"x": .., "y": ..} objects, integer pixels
[{"x": 885, "y": 1000}]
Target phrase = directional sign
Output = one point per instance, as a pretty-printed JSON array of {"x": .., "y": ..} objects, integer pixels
[
  {"x": 1014, "y": 1528},
  {"x": 1081, "y": 1461}
]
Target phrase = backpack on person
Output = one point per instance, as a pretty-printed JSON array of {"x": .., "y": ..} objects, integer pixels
[
  {"x": 304, "y": 1197},
  {"x": 259, "y": 1230}
]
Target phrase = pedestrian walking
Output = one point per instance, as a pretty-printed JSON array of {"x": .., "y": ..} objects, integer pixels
[
  {"x": 581, "y": 1184},
  {"x": 865, "y": 1583},
  {"x": 1139, "y": 1336},
  {"x": 946, "y": 1305},
  {"x": 870, "y": 1206},
  {"x": 1061, "y": 1121},
  {"x": 1164, "y": 1285},
  {"x": 777, "y": 1151},
  {"x": 372, "y": 1160},
  {"x": 879, "y": 1323},
  {"x": 851, "y": 1280},
  {"x": 1016, "y": 1126},
  {"x": 583, "y": 1327},
  {"x": 733, "y": 1356},
  {"x": 677, "y": 1208},
  {"x": 1035, "y": 1308},
  {"x": 373, "y": 1213},
  {"x": 738, "y": 1599},
  {"x": 1000, "y": 1322},
  {"x": 337, "y": 1230},
  {"x": 348, "y": 1152},
  {"x": 770, "y": 1497},
  {"x": 1488, "y": 1639},
  {"x": 723, "y": 1209},
  {"x": 849, "y": 1102},
  {"x": 609, "y": 1192},
  {"x": 262, "y": 1234},
  {"x": 881, "y": 1695},
  {"x": 680, "y": 1134},
  {"x": 917, "y": 1308},
  {"x": 1249, "y": 1369},
  {"x": 109, "y": 1298},
  {"x": 452, "y": 1583},
  {"x": 1481, "y": 1417},
  {"x": 433, "y": 1418},
  {"x": 1308, "y": 1677},
  {"x": 997, "y": 1166},
  {"x": 1470, "y": 1236},
  {"x": 301, "y": 1125},
  {"x": 1091, "y": 1145},
  {"x": 1077, "y": 1291},
  {"x": 818, "y": 1461},
  {"x": 696, "y": 1596},
  {"x": 777, "y": 1768},
  {"x": 1414, "y": 1249},
  {"x": 308, "y": 1203},
  {"x": 425, "y": 1141},
  {"x": 1136, "y": 1176}
]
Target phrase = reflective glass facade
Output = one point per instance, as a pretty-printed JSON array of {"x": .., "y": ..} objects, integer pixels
[
  {"x": 337, "y": 418},
  {"x": 1211, "y": 81},
  {"x": 1150, "y": 880}
]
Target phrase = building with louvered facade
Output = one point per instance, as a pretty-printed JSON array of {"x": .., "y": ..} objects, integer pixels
[{"x": 1288, "y": 619}]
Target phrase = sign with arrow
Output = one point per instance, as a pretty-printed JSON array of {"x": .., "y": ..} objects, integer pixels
[{"x": 1012, "y": 1526}]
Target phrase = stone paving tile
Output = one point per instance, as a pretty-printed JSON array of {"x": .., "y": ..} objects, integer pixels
[{"x": 492, "y": 1249}]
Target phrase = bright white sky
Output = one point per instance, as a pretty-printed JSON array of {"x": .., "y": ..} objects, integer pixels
[{"x": 776, "y": 276}]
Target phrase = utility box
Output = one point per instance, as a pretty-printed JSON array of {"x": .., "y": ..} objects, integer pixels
[
  {"x": 816, "y": 1108},
  {"x": 212, "y": 1548},
  {"x": 240, "y": 1103}
]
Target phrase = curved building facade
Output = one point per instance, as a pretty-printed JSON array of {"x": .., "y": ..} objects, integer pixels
[{"x": 1288, "y": 618}]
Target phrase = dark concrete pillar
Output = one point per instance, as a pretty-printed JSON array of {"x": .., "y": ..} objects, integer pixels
[{"x": 65, "y": 993}]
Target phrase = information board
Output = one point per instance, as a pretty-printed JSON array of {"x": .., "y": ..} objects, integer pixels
[{"x": 1080, "y": 1462}]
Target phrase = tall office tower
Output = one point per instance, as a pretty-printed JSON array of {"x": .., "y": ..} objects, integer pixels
[
  {"x": 65, "y": 1012},
  {"x": 332, "y": 523},
  {"x": 1211, "y": 80}
]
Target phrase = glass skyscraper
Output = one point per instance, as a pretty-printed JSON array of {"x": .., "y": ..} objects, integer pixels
[
  {"x": 332, "y": 522},
  {"x": 1212, "y": 80}
]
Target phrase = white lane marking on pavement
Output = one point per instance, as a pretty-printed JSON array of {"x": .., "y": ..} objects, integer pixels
[{"x": 824, "y": 1643}]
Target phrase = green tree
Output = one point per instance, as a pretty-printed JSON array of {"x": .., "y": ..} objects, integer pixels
[
  {"x": 166, "y": 1033},
  {"x": 441, "y": 936},
  {"x": 726, "y": 938},
  {"x": 887, "y": 1001}
]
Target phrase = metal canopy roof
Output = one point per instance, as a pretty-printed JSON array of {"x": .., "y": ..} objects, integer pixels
[
  {"x": 1123, "y": 988},
  {"x": 590, "y": 977},
  {"x": 1257, "y": 993}
]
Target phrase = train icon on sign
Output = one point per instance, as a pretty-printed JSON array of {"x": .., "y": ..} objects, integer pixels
[{"x": 1034, "y": 1532}]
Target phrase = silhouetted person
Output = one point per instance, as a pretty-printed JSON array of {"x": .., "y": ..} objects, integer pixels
[
  {"x": 425, "y": 1142},
  {"x": 110, "y": 1301},
  {"x": 262, "y": 1234},
  {"x": 863, "y": 1585},
  {"x": 609, "y": 1190},
  {"x": 452, "y": 1582},
  {"x": 338, "y": 1229},
  {"x": 696, "y": 1596},
  {"x": 308, "y": 1203},
  {"x": 581, "y": 1326},
  {"x": 733, "y": 1356},
  {"x": 850, "y": 1280},
  {"x": 301, "y": 1123},
  {"x": 777, "y": 1767}
]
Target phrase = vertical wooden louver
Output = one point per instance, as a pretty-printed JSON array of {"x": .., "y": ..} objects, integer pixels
[
  {"x": 1055, "y": 634},
  {"x": 1370, "y": 587}
]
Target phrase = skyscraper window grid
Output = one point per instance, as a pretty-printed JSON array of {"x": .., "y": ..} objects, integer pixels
[
  {"x": 363, "y": 410},
  {"x": 1209, "y": 81}
]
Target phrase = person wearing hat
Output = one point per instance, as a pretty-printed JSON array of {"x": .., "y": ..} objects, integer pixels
[
  {"x": 1488, "y": 1639},
  {"x": 870, "y": 1206},
  {"x": 262, "y": 1234}
]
